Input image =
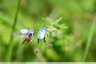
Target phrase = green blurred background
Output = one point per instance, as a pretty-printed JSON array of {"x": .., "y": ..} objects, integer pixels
[{"x": 73, "y": 39}]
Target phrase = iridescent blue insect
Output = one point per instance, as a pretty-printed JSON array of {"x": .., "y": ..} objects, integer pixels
[
  {"x": 29, "y": 35},
  {"x": 42, "y": 34}
]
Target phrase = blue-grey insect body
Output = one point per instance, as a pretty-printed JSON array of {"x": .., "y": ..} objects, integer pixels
[
  {"x": 41, "y": 34},
  {"x": 29, "y": 36}
]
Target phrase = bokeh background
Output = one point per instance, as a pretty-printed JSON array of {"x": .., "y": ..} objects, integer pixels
[{"x": 71, "y": 32}]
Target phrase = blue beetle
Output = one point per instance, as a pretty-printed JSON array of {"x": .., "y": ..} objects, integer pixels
[
  {"x": 29, "y": 36},
  {"x": 42, "y": 34}
]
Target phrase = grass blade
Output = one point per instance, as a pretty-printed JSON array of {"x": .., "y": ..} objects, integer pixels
[
  {"x": 10, "y": 45},
  {"x": 89, "y": 39}
]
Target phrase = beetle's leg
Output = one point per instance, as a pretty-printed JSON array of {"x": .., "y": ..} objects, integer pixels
[
  {"x": 38, "y": 41},
  {"x": 44, "y": 40},
  {"x": 23, "y": 41}
]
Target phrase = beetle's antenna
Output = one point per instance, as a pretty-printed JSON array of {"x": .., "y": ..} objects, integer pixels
[{"x": 28, "y": 28}]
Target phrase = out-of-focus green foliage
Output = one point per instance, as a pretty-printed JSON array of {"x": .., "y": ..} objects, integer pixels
[{"x": 71, "y": 26}]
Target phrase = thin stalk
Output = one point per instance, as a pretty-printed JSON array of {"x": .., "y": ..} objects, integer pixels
[
  {"x": 10, "y": 45},
  {"x": 89, "y": 40},
  {"x": 19, "y": 52}
]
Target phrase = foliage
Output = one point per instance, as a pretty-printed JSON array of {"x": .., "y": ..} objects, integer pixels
[{"x": 71, "y": 30}]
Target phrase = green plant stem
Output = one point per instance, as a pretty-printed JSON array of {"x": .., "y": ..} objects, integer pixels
[
  {"x": 89, "y": 40},
  {"x": 10, "y": 45},
  {"x": 19, "y": 52}
]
